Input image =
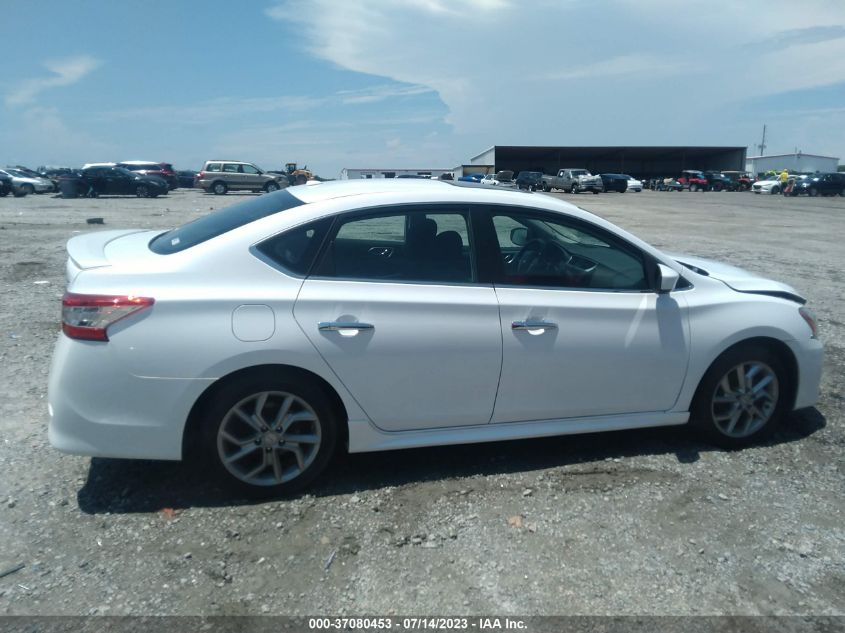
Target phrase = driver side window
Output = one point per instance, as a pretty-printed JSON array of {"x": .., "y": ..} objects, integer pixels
[{"x": 548, "y": 251}]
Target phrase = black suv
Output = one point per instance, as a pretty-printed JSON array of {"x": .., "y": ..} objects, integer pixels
[
  {"x": 821, "y": 184},
  {"x": 530, "y": 180}
]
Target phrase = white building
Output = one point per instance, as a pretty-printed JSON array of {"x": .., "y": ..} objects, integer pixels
[
  {"x": 350, "y": 173},
  {"x": 799, "y": 163}
]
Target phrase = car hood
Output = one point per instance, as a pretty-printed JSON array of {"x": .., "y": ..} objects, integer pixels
[{"x": 737, "y": 278}]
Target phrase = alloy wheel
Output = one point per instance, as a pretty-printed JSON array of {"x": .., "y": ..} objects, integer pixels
[
  {"x": 269, "y": 438},
  {"x": 745, "y": 399}
]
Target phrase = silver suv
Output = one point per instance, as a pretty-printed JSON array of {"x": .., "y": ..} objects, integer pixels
[{"x": 220, "y": 176}]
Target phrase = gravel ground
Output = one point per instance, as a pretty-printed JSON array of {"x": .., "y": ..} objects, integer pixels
[{"x": 646, "y": 522}]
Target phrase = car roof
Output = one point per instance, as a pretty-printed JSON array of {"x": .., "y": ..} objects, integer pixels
[{"x": 138, "y": 162}]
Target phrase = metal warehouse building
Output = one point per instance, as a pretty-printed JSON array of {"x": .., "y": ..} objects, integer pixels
[
  {"x": 352, "y": 173},
  {"x": 798, "y": 163},
  {"x": 641, "y": 162}
]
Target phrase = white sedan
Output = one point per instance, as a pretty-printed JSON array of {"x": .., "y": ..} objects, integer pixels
[
  {"x": 770, "y": 185},
  {"x": 634, "y": 184},
  {"x": 384, "y": 314}
]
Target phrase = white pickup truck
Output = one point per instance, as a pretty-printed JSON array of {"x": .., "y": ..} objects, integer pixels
[{"x": 573, "y": 180}]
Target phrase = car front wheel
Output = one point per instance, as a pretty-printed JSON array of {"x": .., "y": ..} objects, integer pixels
[
  {"x": 142, "y": 191},
  {"x": 268, "y": 435},
  {"x": 741, "y": 398},
  {"x": 270, "y": 187}
]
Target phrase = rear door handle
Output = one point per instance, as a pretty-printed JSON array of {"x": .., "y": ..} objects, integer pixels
[
  {"x": 343, "y": 326},
  {"x": 533, "y": 326}
]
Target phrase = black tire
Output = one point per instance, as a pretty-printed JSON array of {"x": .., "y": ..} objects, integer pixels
[
  {"x": 702, "y": 419},
  {"x": 4, "y": 193},
  {"x": 717, "y": 186},
  {"x": 546, "y": 188},
  {"x": 775, "y": 190},
  {"x": 270, "y": 187},
  {"x": 142, "y": 191},
  {"x": 813, "y": 192},
  {"x": 19, "y": 193},
  {"x": 842, "y": 193},
  {"x": 238, "y": 390},
  {"x": 573, "y": 189},
  {"x": 219, "y": 188},
  {"x": 29, "y": 189}
]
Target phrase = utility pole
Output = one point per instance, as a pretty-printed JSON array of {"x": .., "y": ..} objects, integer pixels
[{"x": 762, "y": 145}]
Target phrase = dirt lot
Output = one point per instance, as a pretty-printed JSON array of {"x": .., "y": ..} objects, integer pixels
[{"x": 647, "y": 522}]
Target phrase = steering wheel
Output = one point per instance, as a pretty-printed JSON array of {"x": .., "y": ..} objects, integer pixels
[{"x": 538, "y": 256}]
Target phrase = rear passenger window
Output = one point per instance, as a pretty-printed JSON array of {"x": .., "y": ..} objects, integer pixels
[
  {"x": 401, "y": 246},
  {"x": 213, "y": 167},
  {"x": 294, "y": 250},
  {"x": 230, "y": 168}
]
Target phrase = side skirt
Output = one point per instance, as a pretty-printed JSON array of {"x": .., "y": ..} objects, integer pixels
[{"x": 364, "y": 437}]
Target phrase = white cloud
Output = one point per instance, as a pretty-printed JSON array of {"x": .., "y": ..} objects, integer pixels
[
  {"x": 66, "y": 72},
  {"x": 621, "y": 71}
]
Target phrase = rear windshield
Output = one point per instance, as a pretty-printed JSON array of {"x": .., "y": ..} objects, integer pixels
[{"x": 223, "y": 221}]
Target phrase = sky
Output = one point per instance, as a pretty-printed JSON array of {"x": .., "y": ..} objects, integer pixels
[{"x": 412, "y": 83}]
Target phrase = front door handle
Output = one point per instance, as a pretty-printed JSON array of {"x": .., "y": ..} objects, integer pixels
[
  {"x": 533, "y": 326},
  {"x": 343, "y": 326}
]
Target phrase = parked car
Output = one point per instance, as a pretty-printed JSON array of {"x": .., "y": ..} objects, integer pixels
[
  {"x": 771, "y": 184},
  {"x": 693, "y": 180},
  {"x": 113, "y": 181},
  {"x": 614, "y": 182},
  {"x": 573, "y": 180},
  {"x": 28, "y": 184},
  {"x": 634, "y": 184},
  {"x": 186, "y": 177},
  {"x": 502, "y": 178},
  {"x": 530, "y": 180},
  {"x": 471, "y": 178},
  {"x": 157, "y": 170},
  {"x": 829, "y": 184},
  {"x": 717, "y": 181},
  {"x": 54, "y": 174},
  {"x": 6, "y": 186},
  {"x": 268, "y": 335},
  {"x": 221, "y": 176}
]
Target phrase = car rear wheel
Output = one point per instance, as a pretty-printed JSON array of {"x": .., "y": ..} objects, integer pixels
[
  {"x": 142, "y": 191},
  {"x": 270, "y": 187},
  {"x": 270, "y": 435},
  {"x": 219, "y": 188},
  {"x": 741, "y": 398},
  {"x": 813, "y": 192}
]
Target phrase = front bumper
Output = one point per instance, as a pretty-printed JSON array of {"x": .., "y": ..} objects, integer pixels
[{"x": 809, "y": 356}]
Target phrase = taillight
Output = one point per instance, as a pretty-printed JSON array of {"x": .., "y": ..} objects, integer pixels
[
  {"x": 200, "y": 175},
  {"x": 87, "y": 317}
]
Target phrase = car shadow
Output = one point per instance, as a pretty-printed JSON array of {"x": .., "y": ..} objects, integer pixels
[{"x": 142, "y": 486}]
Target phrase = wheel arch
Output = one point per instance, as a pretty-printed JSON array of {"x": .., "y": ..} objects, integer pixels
[
  {"x": 777, "y": 347},
  {"x": 191, "y": 433}
]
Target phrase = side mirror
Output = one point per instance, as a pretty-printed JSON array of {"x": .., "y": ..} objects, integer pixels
[
  {"x": 519, "y": 236},
  {"x": 668, "y": 278}
]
